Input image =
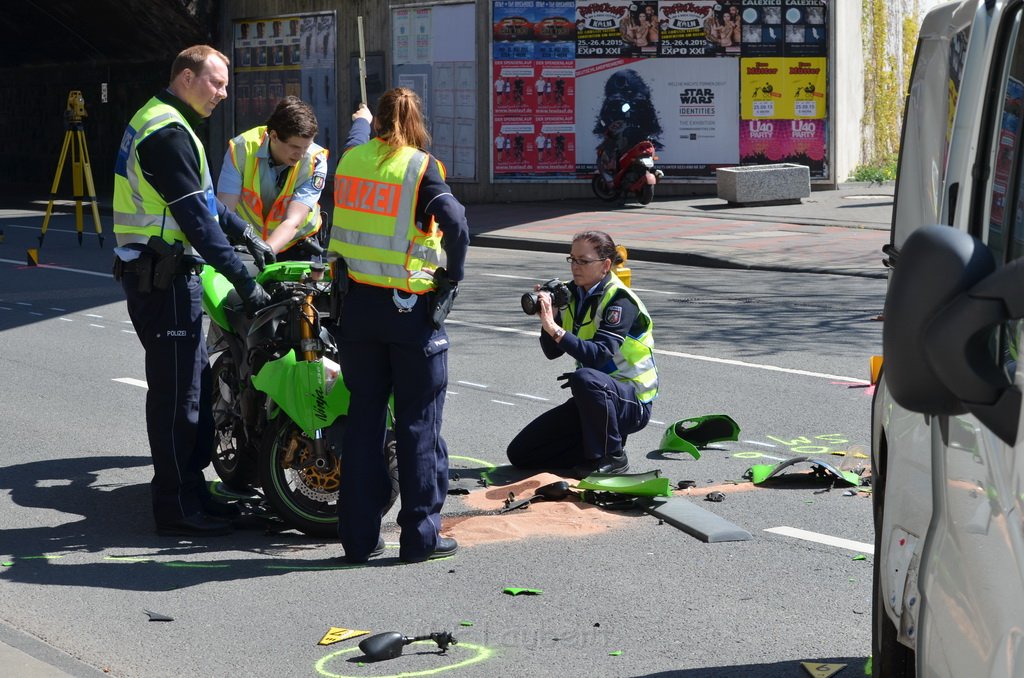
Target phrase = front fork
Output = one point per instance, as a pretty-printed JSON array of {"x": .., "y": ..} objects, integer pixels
[{"x": 321, "y": 458}]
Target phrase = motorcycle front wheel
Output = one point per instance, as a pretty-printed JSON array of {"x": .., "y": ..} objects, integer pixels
[
  {"x": 233, "y": 457},
  {"x": 601, "y": 189},
  {"x": 646, "y": 194},
  {"x": 304, "y": 496}
]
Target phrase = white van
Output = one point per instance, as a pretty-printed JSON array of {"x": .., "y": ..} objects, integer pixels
[{"x": 947, "y": 450}]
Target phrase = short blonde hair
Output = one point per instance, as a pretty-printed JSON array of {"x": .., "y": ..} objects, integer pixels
[{"x": 194, "y": 59}]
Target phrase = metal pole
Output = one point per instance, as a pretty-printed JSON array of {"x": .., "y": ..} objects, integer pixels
[{"x": 362, "y": 62}]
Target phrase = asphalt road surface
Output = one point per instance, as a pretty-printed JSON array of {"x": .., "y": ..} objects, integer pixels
[{"x": 785, "y": 355}]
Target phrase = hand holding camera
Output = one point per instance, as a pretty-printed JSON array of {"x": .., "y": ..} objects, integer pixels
[{"x": 557, "y": 290}]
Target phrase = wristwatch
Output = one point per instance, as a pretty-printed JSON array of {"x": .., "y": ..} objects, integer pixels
[{"x": 559, "y": 333}]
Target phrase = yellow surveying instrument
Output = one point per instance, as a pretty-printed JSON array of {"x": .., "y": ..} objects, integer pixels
[{"x": 74, "y": 138}]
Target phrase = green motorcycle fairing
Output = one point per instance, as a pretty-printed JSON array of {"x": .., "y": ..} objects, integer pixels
[
  {"x": 293, "y": 384},
  {"x": 216, "y": 287}
]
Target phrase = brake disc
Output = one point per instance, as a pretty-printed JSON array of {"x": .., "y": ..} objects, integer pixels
[{"x": 320, "y": 485}]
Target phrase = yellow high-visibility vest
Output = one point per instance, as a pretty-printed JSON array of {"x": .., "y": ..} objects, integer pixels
[
  {"x": 242, "y": 150},
  {"x": 634, "y": 360},
  {"x": 375, "y": 219},
  {"x": 139, "y": 210}
]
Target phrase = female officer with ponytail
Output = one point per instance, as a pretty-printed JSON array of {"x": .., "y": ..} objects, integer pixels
[
  {"x": 395, "y": 219},
  {"x": 609, "y": 332}
]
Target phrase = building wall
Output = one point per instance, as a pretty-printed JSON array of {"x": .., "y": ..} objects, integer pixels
[{"x": 847, "y": 80}]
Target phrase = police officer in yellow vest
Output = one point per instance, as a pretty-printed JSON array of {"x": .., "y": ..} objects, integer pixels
[
  {"x": 609, "y": 332},
  {"x": 395, "y": 219},
  {"x": 164, "y": 208},
  {"x": 272, "y": 176}
]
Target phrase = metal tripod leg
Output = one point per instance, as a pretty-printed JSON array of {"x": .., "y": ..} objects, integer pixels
[{"x": 80, "y": 169}]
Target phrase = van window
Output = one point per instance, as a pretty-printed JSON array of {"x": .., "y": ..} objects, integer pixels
[{"x": 1006, "y": 192}]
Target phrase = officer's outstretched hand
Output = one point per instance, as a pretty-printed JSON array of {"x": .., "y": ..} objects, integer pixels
[
  {"x": 362, "y": 112},
  {"x": 254, "y": 297},
  {"x": 261, "y": 252}
]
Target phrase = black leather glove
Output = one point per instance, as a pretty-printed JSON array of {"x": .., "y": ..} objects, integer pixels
[
  {"x": 443, "y": 298},
  {"x": 260, "y": 250},
  {"x": 564, "y": 378},
  {"x": 254, "y": 297}
]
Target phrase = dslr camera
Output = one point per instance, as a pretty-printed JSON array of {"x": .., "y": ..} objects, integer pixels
[{"x": 559, "y": 296}]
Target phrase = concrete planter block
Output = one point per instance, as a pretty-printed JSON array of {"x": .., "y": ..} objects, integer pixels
[{"x": 784, "y": 182}]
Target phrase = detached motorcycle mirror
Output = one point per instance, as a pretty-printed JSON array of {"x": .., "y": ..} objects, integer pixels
[{"x": 389, "y": 644}]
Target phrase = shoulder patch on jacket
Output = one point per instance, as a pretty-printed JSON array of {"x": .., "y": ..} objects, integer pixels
[
  {"x": 318, "y": 181},
  {"x": 613, "y": 315}
]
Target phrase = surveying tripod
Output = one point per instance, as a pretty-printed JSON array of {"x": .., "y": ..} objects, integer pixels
[{"x": 74, "y": 138}]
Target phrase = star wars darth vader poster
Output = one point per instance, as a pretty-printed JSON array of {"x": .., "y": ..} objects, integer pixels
[{"x": 690, "y": 114}]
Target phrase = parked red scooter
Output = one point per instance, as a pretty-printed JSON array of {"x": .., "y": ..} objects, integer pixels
[{"x": 633, "y": 174}]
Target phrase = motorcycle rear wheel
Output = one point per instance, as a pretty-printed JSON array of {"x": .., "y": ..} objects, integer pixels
[
  {"x": 601, "y": 190},
  {"x": 233, "y": 458},
  {"x": 646, "y": 194},
  {"x": 307, "y": 499}
]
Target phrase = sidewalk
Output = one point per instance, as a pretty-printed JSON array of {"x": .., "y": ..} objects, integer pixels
[{"x": 838, "y": 232}]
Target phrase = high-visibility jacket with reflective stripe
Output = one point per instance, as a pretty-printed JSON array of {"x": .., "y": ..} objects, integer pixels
[
  {"x": 139, "y": 210},
  {"x": 375, "y": 219},
  {"x": 634, "y": 360},
  {"x": 243, "y": 150}
]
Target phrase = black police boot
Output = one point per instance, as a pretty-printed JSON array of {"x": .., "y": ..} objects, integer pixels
[
  {"x": 196, "y": 525},
  {"x": 446, "y": 546},
  {"x": 615, "y": 462},
  {"x": 377, "y": 550}
]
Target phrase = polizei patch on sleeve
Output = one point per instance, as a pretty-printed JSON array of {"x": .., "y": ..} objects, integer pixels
[
  {"x": 318, "y": 181},
  {"x": 613, "y": 315}
]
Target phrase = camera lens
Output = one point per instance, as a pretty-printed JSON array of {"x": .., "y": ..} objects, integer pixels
[{"x": 529, "y": 302}]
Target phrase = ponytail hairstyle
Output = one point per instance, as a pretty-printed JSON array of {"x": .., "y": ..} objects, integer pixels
[
  {"x": 602, "y": 244},
  {"x": 399, "y": 121}
]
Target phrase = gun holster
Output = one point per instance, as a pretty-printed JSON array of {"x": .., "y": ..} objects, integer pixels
[
  {"x": 442, "y": 298},
  {"x": 168, "y": 261}
]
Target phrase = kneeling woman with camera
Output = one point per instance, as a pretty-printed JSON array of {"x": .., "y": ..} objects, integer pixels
[{"x": 606, "y": 328}]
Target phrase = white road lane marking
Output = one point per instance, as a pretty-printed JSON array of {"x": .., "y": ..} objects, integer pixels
[
  {"x": 470, "y": 383},
  {"x": 131, "y": 382},
  {"x": 530, "y": 397},
  {"x": 656, "y": 422},
  {"x": 95, "y": 325},
  {"x": 91, "y": 315},
  {"x": 21, "y": 262},
  {"x": 677, "y": 354},
  {"x": 502, "y": 402},
  {"x": 754, "y": 442},
  {"x": 826, "y": 539}
]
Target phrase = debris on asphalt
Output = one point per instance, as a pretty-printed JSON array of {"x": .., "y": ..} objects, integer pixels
[
  {"x": 515, "y": 591},
  {"x": 860, "y": 556},
  {"x": 715, "y": 496},
  {"x": 696, "y": 433},
  {"x": 458, "y": 490},
  {"x": 615, "y": 653},
  {"x": 465, "y": 623},
  {"x": 821, "y": 471},
  {"x": 156, "y": 616},
  {"x": 389, "y": 644},
  {"x": 686, "y": 484}
]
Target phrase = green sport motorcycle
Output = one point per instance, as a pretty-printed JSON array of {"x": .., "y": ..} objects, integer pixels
[{"x": 277, "y": 387}]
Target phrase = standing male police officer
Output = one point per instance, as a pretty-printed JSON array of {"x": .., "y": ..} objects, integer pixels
[
  {"x": 393, "y": 216},
  {"x": 273, "y": 175},
  {"x": 163, "y": 203}
]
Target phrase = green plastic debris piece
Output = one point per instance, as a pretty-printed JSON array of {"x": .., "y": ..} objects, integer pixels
[
  {"x": 7, "y": 563},
  {"x": 860, "y": 556},
  {"x": 759, "y": 473},
  {"x": 465, "y": 623},
  {"x": 690, "y": 435},
  {"x": 649, "y": 484},
  {"x": 868, "y": 668},
  {"x": 615, "y": 653},
  {"x": 515, "y": 591}
]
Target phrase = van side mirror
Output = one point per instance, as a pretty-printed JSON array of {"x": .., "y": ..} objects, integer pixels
[{"x": 944, "y": 298}]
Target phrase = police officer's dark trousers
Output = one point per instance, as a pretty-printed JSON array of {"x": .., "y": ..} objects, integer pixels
[
  {"x": 179, "y": 419},
  {"x": 382, "y": 349},
  {"x": 592, "y": 423}
]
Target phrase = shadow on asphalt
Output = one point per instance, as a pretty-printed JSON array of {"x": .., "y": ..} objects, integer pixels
[
  {"x": 854, "y": 667},
  {"x": 116, "y": 517}
]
